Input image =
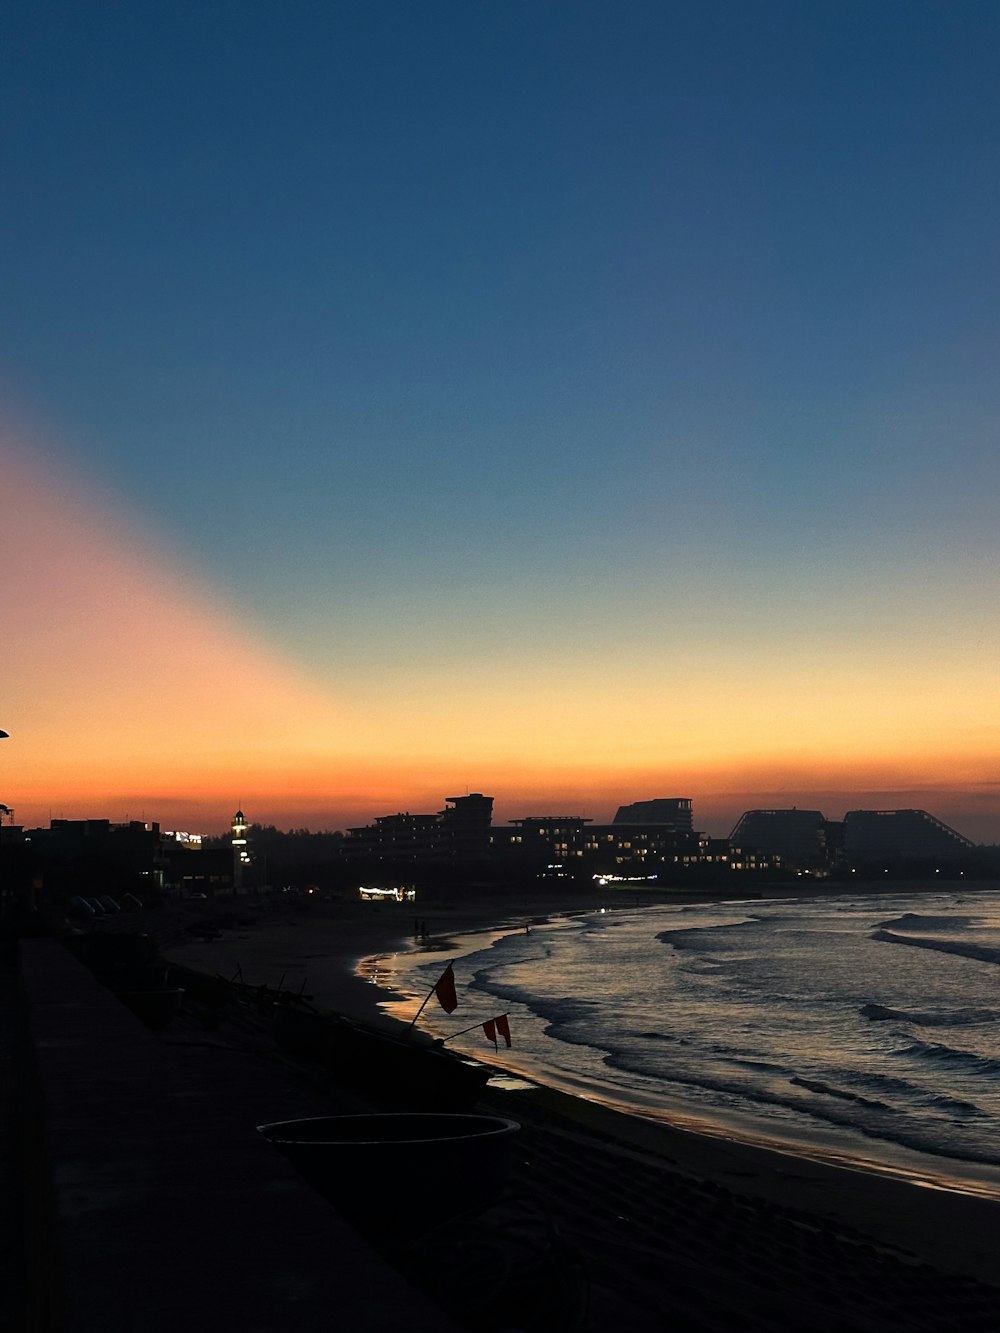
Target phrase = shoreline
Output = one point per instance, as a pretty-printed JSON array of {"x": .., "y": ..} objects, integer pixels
[
  {"x": 895, "y": 1162},
  {"x": 951, "y": 1229}
]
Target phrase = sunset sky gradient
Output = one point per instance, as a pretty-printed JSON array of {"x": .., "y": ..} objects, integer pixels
[{"x": 575, "y": 402}]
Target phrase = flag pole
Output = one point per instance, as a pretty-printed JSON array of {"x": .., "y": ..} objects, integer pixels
[
  {"x": 472, "y": 1028},
  {"x": 423, "y": 1003}
]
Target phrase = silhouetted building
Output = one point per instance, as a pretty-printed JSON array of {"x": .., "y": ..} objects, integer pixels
[
  {"x": 677, "y": 811},
  {"x": 744, "y": 860},
  {"x": 562, "y": 835},
  {"x": 901, "y": 835},
  {"x": 545, "y": 842},
  {"x": 403, "y": 836},
  {"x": 465, "y": 826},
  {"x": 193, "y": 869},
  {"x": 798, "y": 837},
  {"x": 621, "y": 850},
  {"x": 460, "y": 832},
  {"x": 96, "y": 856},
  {"x": 9, "y": 831}
]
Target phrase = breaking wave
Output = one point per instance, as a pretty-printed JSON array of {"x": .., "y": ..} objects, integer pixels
[
  {"x": 943, "y": 1018},
  {"x": 983, "y": 953},
  {"x": 803, "y": 1018}
]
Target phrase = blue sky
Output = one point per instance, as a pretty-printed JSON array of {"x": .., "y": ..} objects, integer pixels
[{"x": 443, "y": 335}]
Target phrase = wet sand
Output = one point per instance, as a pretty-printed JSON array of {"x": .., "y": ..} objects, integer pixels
[
  {"x": 718, "y": 1232},
  {"x": 317, "y": 948}
]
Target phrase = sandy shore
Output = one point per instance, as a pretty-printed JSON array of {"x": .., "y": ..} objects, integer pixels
[
  {"x": 318, "y": 947},
  {"x": 716, "y": 1210}
]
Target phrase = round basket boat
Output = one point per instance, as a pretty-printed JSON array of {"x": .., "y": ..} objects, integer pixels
[{"x": 447, "y": 1165}]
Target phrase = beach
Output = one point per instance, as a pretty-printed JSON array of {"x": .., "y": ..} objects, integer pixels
[{"x": 722, "y": 1232}]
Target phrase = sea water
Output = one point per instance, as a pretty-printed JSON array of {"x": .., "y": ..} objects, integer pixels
[{"x": 864, "y": 1029}]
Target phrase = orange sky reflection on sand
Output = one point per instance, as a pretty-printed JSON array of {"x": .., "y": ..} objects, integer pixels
[{"x": 131, "y": 690}]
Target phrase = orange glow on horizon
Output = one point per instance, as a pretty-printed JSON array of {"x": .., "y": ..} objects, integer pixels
[{"x": 132, "y": 689}]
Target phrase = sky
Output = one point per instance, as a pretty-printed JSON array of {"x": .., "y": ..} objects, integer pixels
[{"x": 574, "y": 402}]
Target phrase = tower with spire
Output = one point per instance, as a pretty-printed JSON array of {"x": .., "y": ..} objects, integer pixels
[{"x": 241, "y": 856}]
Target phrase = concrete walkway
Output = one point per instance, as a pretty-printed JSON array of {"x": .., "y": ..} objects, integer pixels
[{"x": 153, "y": 1202}]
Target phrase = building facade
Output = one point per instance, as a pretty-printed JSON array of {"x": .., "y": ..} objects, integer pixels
[
  {"x": 902, "y": 835},
  {"x": 675, "y": 811},
  {"x": 460, "y": 832},
  {"x": 798, "y": 837}
]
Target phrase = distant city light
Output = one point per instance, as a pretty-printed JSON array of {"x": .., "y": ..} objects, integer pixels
[
  {"x": 623, "y": 879},
  {"x": 187, "y": 839},
  {"x": 398, "y": 894}
]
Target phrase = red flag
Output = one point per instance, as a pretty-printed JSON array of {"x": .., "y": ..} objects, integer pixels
[
  {"x": 490, "y": 1028},
  {"x": 503, "y": 1027},
  {"x": 444, "y": 989}
]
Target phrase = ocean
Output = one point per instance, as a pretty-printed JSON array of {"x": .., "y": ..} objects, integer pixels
[{"x": 864, "y": 1030}]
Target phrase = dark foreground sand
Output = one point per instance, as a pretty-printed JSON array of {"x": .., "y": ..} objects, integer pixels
[{"x": 614, "y": 1221}]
